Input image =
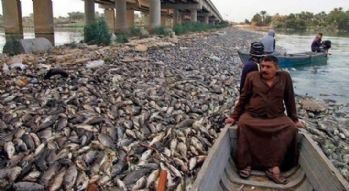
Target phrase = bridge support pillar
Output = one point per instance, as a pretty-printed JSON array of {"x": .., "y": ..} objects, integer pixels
[
  {"x": 176, "y": 17},
  {"x": 155, "y": 14},
  {"x": 12, "y": 12},
  {"x": 109, "y": 14},
  {"x": 164, "y": 20},
  {"x": 194, "y": 15},
  {"x": 207, "y": 19},
  {"x": 43, "y": 19},
  {"x": 121, "y": 16},
  {"x": 89, "y": 12},
  {"x": 130, "y": 17}
]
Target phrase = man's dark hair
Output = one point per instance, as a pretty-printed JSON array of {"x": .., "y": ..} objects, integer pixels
[
  {"x": 320, "y": 33},
  {"x": 270, "y": 58}
]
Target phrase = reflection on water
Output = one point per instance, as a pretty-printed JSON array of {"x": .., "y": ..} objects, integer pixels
[
  {"x": 61, "y": 36},
  {"x": 328, "y": 81}
]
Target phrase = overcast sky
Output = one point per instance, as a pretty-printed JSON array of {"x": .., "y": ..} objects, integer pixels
[{"x": 233, "y": 10}]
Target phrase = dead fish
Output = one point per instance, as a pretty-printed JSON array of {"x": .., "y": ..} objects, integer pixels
[
  {"x": 173, "y": 145},
  {"x": 87, "y": 128},
  {"x": 61, "y": 124},
  {"x": 9, "y": 149},
  {"x": 140, "y": 183},
  {"x": 182, "y": 148},
  {"x": 28, "y": 186},
  {"x": 106, "y": 140},
  {"x": 193, "y": 150},
  {"x": 54, "y": 72},
  {"x": 157, "y": 138},
  {"x": 82, "y": 181},
  {"x": 32, "y": 176},
  {"x": 28, "y": 140},
  {"x": 70, "y": 177},
  {"x": 192, "y": 163},
  {"x": 121, "y": 184},
  {"x": 181, "y": 164},
  {"x": 36, "y": 139},
  {"x": 10, "y": 174},
  {"x": 57, "y": 181},
  {"x": 145, "y": 156},
  {"x": 18, "y": 134},
  {"x": 135, "y": 175},
  {"x": 47, "y": 122},
  {"x": 197, "y": 144},
  {"x": 152, "y": 178},
  {"x": 49, "y": 174}
]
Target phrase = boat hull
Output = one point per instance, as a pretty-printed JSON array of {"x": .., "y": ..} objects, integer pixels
[
  {"x": 293, "y": 60},
  {"x": 315, "y": 171}
]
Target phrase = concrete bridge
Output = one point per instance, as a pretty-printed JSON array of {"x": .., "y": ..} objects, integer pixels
[{"x": 119, "y": 14}]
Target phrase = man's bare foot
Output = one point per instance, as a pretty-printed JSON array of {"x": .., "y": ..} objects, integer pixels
[{"x": 275, "y": 175}]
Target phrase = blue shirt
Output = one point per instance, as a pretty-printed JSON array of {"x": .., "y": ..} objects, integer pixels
[{"x": 250, "y": 66}]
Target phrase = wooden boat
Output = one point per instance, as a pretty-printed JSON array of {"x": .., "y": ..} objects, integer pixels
[
  {"x": 314, "y": 172},
  {"x": 293, "y": 60}
]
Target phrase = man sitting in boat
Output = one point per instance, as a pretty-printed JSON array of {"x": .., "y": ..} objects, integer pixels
[
  {"x": 256, "y": 52},
  {"x": 317, "y": 42},
  {"x": 269, "y": 42},
  {"x": 266, "y": 136}
]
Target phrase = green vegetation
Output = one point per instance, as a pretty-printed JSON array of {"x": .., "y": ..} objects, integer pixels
[
  {"x": 197, "y": 27},
  {"x": 135, "y": 31},
  {"x": 121, "y": 38},
  {"x": 162, "y": 31},
  {"x": 97, "y": 33},
  {"x": 13, "y": 47},
  {"x": 336, "y": 20}
]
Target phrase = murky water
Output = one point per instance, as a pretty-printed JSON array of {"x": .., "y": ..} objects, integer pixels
[
  {"x": 61, "y": 36},
  {"x": 330, "y": 81}
]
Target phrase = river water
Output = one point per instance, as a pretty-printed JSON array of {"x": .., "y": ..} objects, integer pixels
[
  {"x": 61, "y": 36},
  {"x": 330, "y": 81}
]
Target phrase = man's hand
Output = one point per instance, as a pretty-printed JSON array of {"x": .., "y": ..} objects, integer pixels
[
  {"x": 300, "y": 124},
  {"x": 230, "y": 121}
]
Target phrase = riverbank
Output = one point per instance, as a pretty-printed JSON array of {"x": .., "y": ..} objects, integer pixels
[{"x": 113, "y": 116}]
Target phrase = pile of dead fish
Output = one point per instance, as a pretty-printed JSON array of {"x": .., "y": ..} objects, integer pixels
[
  {"x": 328, "y": 123},
  {"x": 113, "y": 123}
]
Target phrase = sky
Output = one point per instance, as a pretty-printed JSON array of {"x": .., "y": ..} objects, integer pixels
[{"x": 232, "y": 10}]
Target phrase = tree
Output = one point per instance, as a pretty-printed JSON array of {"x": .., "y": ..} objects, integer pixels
[
  {"x": 76, "y": 16},
  {"x": 263, "y": 15},
  {"x": 257, "y": 19},
  {"x": 247, "y": 21}
]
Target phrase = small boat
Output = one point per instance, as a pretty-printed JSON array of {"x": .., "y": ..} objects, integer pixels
[
  {"x": 314, "y": 172},
  {"x": 293, "y": 60}
]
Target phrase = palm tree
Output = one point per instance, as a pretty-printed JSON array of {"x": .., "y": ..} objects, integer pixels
[{"x": 263, "y": 14}]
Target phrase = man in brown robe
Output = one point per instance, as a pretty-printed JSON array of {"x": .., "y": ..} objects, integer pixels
[{"x": 266, "y": 136}]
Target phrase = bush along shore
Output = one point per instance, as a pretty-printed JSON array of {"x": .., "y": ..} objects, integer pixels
[{"x": 112, "y": 117}]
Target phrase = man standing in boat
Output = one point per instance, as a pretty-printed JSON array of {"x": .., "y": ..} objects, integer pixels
[
  {"x": 256, "y": 52},
  {"x": 268, "y": 42},
  {"x": 266, "y": 136},
  {"x": 317, "y": 42}
]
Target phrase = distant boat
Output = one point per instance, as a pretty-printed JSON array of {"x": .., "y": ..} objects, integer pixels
[
  {"x": 314, "y": 172},
  {"x": 293, "y": 60}
]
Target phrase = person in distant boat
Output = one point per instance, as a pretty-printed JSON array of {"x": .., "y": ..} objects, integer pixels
[
  {"x": 317, "y": 42},
  {"x": 269, "y": 42},
  {"x": 256, "y": 52},
  {"x": 266, "y": 136}
]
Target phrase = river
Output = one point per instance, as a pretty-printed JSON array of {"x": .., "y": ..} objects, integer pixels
[
  {"x": 61, "y": 36},
  {"x": 328, "y": 81}
]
